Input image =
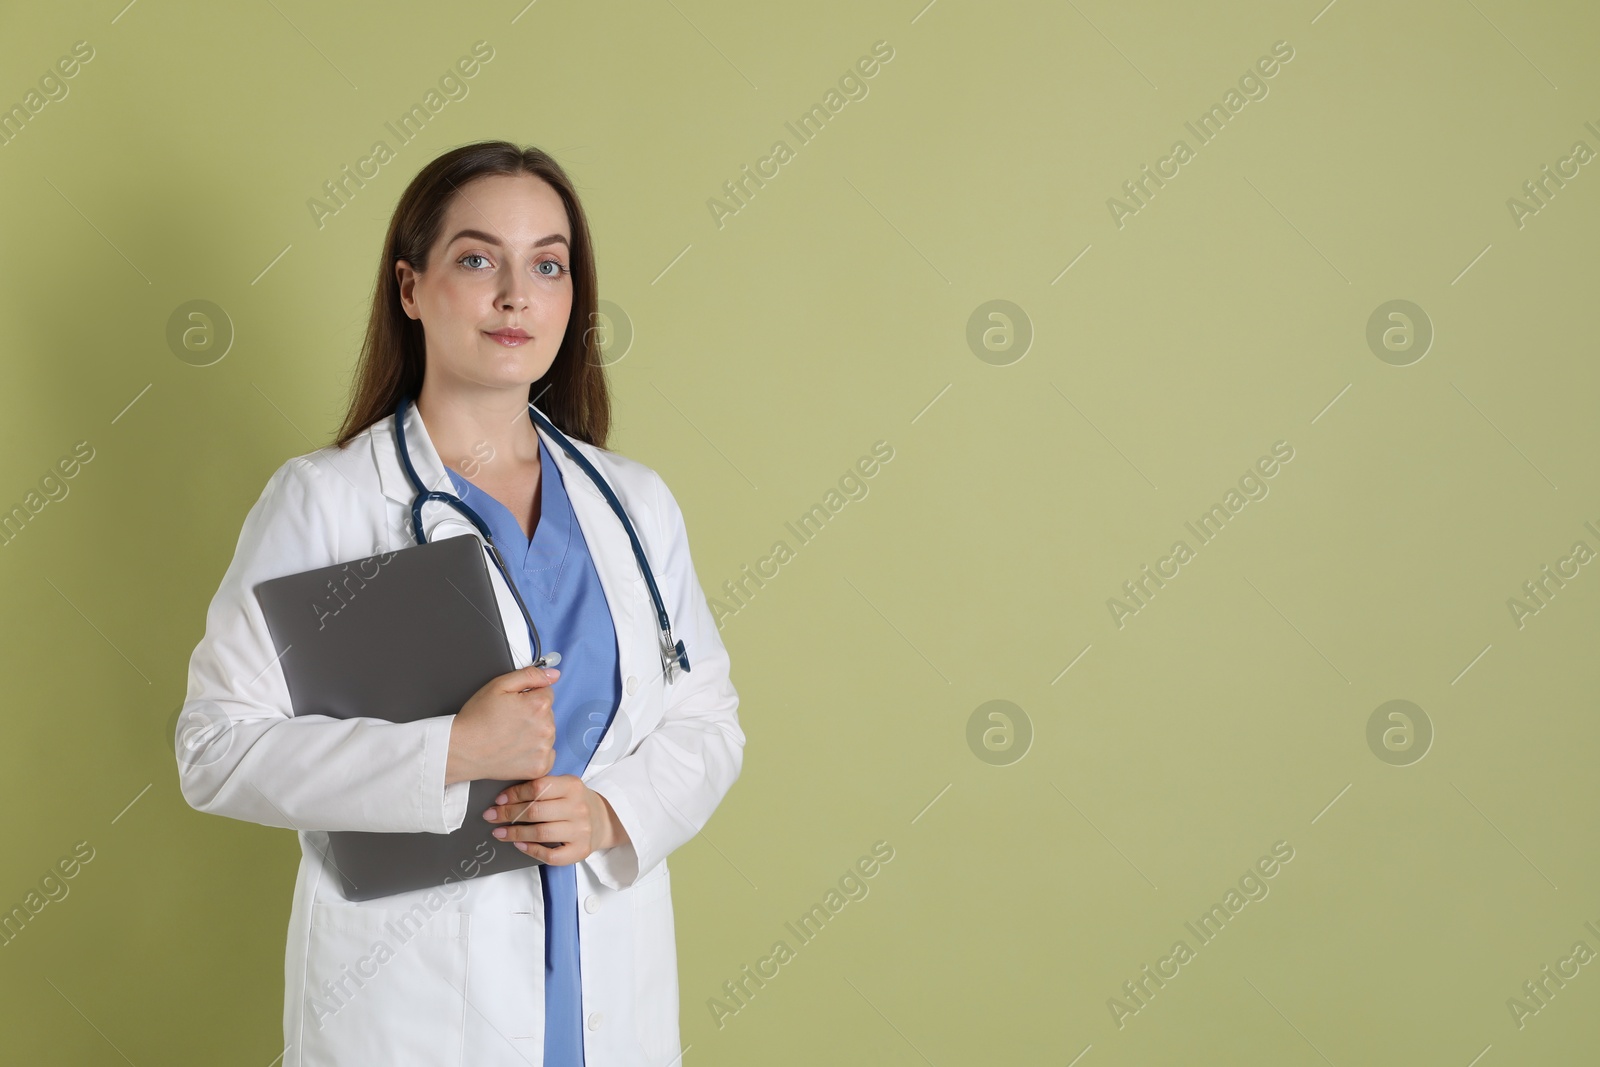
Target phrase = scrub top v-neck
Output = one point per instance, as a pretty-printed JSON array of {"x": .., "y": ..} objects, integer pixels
[{"x": 561, "y": 588}]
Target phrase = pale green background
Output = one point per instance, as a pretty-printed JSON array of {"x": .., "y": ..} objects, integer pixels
[{"x": 827, "y": 315}]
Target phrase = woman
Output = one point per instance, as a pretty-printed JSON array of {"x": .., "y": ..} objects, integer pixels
[{"x": 484, "y": 295}]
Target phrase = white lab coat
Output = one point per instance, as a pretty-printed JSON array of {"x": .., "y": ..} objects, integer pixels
[{"x": 456, "y": 975}]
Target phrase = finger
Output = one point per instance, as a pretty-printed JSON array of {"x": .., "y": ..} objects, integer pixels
[
  {"x": 530, "y": 677},
  {"x": 555, "y": 854},
  {"x": 563, "y": 831},
  {"x": 547, "y": 788},
  {"x": 556, "y": 857},
  {"x": 510, "y": 813},
  {"x": 532, "y": 812}
]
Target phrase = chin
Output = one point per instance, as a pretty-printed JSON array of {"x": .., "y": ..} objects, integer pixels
[{"x": 521, "y": 376}]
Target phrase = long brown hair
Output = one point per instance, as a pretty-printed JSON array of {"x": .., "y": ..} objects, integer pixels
[{"x": 572, "y": 392}]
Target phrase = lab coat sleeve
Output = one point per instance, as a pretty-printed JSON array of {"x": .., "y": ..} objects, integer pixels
[
  {"x": 241, "y": 750},
  {"x": 665, "y": 791}
]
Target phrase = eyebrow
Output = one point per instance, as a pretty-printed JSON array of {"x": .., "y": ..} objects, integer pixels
[{"x": 491, "y": 239}]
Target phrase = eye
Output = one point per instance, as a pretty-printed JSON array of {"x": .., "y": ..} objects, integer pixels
[
  {"x": 560, "y": 268},
  {"x": 472, "y": 255}
]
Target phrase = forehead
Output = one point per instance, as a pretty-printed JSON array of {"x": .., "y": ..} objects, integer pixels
[{"x": 524, "y": 207}]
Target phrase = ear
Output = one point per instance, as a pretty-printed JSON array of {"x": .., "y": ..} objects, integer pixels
[{"x": 406, "y": 278}]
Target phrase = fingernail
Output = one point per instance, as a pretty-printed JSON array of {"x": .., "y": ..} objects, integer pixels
[
  {"x": 523, "y": 845},
  {"x": 501, "y": 799},
  {"x": 489, "y": 815},
  {"x": 554, "y": 672},
  {"x": 500, "y": 831}
]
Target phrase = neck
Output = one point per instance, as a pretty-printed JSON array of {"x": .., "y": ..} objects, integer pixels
[{"x": 471, "y": 425}]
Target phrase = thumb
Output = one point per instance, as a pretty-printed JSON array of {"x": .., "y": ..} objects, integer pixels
[{"x": 530, "y": 677}]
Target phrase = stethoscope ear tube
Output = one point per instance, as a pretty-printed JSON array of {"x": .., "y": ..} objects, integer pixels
[
  {"x": 673, "y": 654},
  {"x": 540, "y": 657},
  {"x": 455, "y": 502}
]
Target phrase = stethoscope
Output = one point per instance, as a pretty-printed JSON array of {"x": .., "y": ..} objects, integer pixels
[{"x": 672, "y": 652}]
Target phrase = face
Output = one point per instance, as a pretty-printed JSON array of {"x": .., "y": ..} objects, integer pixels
[{"x": 495, "y": 298}]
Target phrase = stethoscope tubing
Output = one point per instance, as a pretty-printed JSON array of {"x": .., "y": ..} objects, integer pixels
[{"x": 670, "y": 650}]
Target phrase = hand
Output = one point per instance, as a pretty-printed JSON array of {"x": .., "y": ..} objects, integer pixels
[
  {"x": 563, "y": 820},
  {"x": 506, "y": 730}
]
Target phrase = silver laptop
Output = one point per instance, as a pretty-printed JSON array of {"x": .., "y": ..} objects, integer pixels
[{"x": 401, "y": 636}]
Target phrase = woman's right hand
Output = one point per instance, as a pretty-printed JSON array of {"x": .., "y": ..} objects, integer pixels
[{"x": 506, "y": 730}]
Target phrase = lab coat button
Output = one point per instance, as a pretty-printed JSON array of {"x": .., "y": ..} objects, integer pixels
[
  {"x": 591, "y": 903},
  {"x": 633, "y": 684},
  {"x": 594, "y": 1020}
]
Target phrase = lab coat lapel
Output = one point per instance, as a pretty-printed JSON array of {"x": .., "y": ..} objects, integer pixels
[
  {"x": 424, "y": 457},
  {"x": 620, "y": 580}
]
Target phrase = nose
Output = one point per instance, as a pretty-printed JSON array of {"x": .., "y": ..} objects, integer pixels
[{"x": 514, "y": 290}]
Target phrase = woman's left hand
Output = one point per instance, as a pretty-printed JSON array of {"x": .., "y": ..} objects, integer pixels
[{"x": 556, "y": 808}]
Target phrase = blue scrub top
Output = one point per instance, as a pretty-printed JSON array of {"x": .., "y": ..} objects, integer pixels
[{"x": 558, "y": 582}]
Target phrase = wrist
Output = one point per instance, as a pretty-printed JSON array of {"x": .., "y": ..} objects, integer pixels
[
  {"x": 613, "y": 833},
  {"x": 458, "y": 765}
]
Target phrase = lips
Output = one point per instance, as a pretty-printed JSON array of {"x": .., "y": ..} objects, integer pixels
[{"x": 509, "y": 338}]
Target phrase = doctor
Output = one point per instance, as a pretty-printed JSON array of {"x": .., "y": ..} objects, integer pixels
[{"x": 484, "y": 298}]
